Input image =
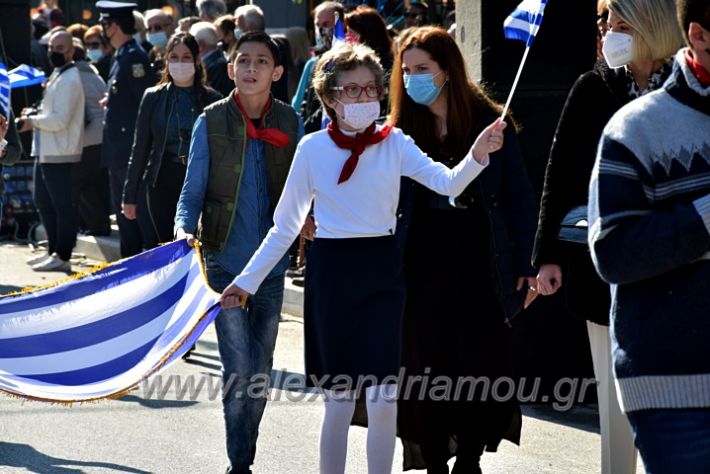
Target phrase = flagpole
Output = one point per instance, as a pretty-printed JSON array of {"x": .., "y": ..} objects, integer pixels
[{"x": 515, "y": 83}]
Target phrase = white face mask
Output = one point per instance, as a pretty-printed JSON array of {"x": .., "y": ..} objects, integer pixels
[
  {"x": 360, "y": 115},
  {"x": 618, "y": 49},
  {"x": 181, "y": 72}
]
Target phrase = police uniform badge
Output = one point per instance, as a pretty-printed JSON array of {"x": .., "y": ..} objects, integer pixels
[{"x": 137, "y": 71}]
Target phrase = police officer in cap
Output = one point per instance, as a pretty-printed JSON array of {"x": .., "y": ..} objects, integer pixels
[{"x": 130, "y": 75}]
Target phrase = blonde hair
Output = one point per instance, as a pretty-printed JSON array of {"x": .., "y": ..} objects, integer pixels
[
  {"x": 656, "y": 31},
  {"x": 602, "y": 6},
  {"x": 346, "y": 57}
]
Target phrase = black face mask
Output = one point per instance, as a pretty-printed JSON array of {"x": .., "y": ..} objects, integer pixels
[{"x": 57, "y": 59}]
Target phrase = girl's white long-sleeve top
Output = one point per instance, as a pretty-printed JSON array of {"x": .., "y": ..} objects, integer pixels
[{"x": 363, "y": 206}]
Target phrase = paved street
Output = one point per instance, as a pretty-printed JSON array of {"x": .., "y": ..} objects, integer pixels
[{"x": 177, "y": 434}]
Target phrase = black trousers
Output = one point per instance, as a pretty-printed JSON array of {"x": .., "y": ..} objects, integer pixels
[
  {"x": 138, "y": 234},
  {"x": 163, "y": 198},
  {"x": 91, "y": 192},
  {"x": 53, "y": 198}
]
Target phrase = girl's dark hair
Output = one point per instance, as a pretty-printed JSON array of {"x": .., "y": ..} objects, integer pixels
[
  {"x": 373, "y": 32},
  {"x": 467, "y": 104},
  {"x": 199, "y": 85}
]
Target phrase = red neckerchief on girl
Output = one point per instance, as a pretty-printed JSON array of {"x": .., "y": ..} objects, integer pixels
[
  {"x": 273, "y": 136},
  {"x": 356, "y": 144},
  {"x": 700, "y": 72}
]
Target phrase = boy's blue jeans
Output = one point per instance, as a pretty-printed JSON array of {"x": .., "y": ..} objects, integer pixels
[{"x": 246, "y": 339}]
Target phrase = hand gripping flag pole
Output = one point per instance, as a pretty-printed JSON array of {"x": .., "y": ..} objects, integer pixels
[{"x": 523, "y": 24}]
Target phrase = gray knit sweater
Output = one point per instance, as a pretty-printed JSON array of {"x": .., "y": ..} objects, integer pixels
[{"x": 649, "y": 215}]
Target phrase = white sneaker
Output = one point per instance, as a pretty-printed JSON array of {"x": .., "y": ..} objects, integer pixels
[
  {"x": 37, "y": 259},
  {"x": 53, "y": 264}
]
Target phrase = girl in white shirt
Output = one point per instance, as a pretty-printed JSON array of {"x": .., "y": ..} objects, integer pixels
[{"x": 354, "y": 287}]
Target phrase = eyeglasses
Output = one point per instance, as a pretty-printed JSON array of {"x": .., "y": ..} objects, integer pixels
[
  {"x": 93, "y": 45},
  {"x": 354, "y": 91},
  {"x": 603, "y": 17}
]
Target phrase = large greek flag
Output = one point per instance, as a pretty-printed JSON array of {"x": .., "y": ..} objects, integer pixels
[
  {"x": 525, "y": 21},
  {"x": 98, "y": 336}
]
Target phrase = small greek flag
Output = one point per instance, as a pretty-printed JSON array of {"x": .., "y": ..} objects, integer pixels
[
  {"x": 338, "y": 32},
  {"x": 25, "y": 76},
  {"x": 525, "y": 20},
  {"x": 4, "y": 91},
  {"x": 98, "y": 336}
]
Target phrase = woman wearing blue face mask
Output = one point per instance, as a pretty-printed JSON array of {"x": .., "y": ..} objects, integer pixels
[
  {"x": 98, "y": 51},
  {"x": 467, "y": 261},
  {"x": 641, "y": 37}
]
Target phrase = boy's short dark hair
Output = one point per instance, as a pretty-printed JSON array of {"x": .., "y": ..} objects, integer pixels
[
  {"x": 258, "y": 37},
  {"x": 690, "y": 11}
]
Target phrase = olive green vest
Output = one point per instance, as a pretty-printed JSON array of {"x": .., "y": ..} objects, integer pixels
[{"x": 227, "y": 141}]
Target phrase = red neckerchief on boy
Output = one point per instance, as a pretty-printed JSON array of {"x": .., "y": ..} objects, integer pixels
[
  {"x": 356, "y": 144},
  {"x": 273, "y": 136},
  {"x": 700, "y": 72}
]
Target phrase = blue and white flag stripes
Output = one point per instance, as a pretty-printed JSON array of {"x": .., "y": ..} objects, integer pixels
[
  {"x": 525, "y": 20},
  {"x": 4, "y": 92},
  {"x": 25, "y": 76},
  {"x": 100, "y": 335},
  {"x": 338, "y": 32}
]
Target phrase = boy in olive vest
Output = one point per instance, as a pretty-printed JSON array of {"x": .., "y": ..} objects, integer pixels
[{"x": 240, "y": 155}]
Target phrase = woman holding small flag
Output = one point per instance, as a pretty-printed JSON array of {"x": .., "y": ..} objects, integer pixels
[
  {"x": 480, "y": 242},
  {"x": 642, "y": 37},
  {"x": 353, "y": 311}
]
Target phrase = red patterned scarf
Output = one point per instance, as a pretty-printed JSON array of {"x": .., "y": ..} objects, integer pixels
[{"x": 356, "y": 145}]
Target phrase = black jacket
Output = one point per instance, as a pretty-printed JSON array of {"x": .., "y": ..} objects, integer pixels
[
  {"x": 593, "y": 99},
  {"x": 150, "y": 137},
  {"x": 216, "y": 70},
  {"x": 507, "y": 196}
]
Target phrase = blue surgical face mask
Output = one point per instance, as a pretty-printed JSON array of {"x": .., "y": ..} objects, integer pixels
[
  {"x": 159, "y": 39},
  {"x": 94, "y": 54},
  {"x": 421, "y": 87}
]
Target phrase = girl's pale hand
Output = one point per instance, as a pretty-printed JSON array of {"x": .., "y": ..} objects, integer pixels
[
  {"x": 489, "y": 140},
  {"x": 233, "y": 296}
]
